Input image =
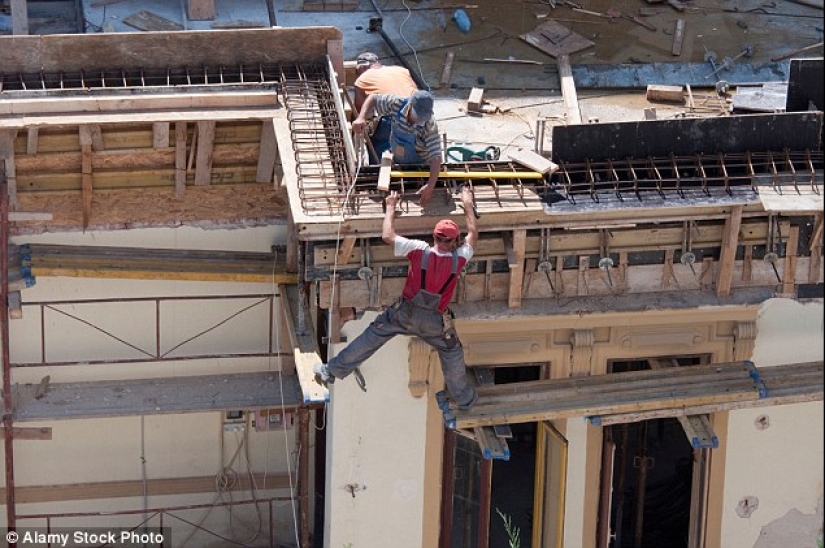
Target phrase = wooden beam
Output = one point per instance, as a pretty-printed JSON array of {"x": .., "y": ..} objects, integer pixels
[
  {"x": 206, "y": 145},
  {"x": 41, "y": 433},
  {"x": 678, "y": 37},
  {"x": 30, "y": 494},
  {"x": 730, "y": 242},
  {"x": 7, "y": 138},
  {"x": 568, "y": 90},
  {"x": 597, "y": 395},
  {"x": 789, "y": 272},
  {"x": 268, "y": 153},
  {"x": 160, "y": 134},
  {"x": 697, "y": 428},
  {"x": 345, "y": 251},
  {"x": 31, "y": 140},
  {"x": 87, "y": 175},
  {"x": 447, "y": 69},
  {"x": 514, "y": 243},
  {"x": 302, "y": 339},
  {"x": 180, "y": 158},
  {"x": 19, "y": 17}
]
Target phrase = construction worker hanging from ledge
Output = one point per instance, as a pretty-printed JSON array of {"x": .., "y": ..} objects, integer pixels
[
  {"x": 413, "y": 139},
  {"x": 423, "y": 309}
]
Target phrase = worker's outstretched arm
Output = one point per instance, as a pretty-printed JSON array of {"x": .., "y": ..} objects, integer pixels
[
  {"x": 469, "y": 217},
  {"x": 426, "y": 192},
  {"x": 366, "y": 111},
  {"x": 388, "y": 229}
]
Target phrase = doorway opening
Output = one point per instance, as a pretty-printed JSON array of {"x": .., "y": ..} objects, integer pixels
[{"x": 653, "y": 479}]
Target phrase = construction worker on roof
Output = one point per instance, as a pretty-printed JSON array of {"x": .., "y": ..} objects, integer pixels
[
  {"x": 373, "y": 77},
  {"x": 423, "y": 308},
  {"x": 414, "y": 135}
]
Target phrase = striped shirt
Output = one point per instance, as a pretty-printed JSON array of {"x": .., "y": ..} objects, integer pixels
[{"x": 427, "y": 140}]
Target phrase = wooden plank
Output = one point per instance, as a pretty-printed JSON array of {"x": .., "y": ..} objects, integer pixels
[
  {"x": 475, "y": 100},
  {"x": 19, "y": 17},
  {"x": 515, "y": 243},
  {"x": 385, "y": 171},
  {"x": 345, "y": 251},
  {"x": 568, "y": 91},
  {"x": 302, "y": 339},
  {"x": 730, "y": 242},
  {"x": 447, "y": 69},
  {"x": 697, "y": 428},
  {"x": 7, "y": 137},
  {"x": 531, "y": 160},
  {"x": 268, "y": 153},
  {"x": 206, "y": 144},
  {"x": 200, "y": 10},
  {"x": 160, "y": 134},
  {"x": 666, "y": 94},
  {"x": 789, "y": 272},
  {"x": 101, "y": 105},
  {"x": 148, "y": 21},
  {"x": 250, "y": 47},
  {"x": 72, "y": 492},
  {"x": 180, "y": 158},
  {"x": 155, "y": 396},
  {"x": 31, "y": 140},
  {"x": 40, "y": 433},
  {"x": 87, "y": 175},
  {"x": 555, "y": 39}
]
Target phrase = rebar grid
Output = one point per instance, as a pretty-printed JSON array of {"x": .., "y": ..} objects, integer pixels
[
  {"x": 241, "y": 75},
  {"x": 317, "y": 139},
  {"x": 709, "y": 173}
]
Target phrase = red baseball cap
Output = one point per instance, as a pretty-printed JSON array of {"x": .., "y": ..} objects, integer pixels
[{"x": 446, "y": 229}]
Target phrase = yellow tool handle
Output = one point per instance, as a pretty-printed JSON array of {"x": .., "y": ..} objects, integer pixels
[{"x": 469, "y": 175}]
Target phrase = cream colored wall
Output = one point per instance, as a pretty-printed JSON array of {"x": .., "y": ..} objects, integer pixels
[
  {"x": 782, "y": 465},
  {"x": 375, "y": 453},
  {"x": 174, "y": 446}
]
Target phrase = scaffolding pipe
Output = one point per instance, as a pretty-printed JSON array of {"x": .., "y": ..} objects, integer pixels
[{"x": 8, "y": 440}]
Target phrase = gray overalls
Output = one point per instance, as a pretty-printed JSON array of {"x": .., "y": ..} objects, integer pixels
[{"x": 420, "y": 317}]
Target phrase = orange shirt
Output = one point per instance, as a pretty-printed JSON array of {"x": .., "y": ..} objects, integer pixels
[{"x": 390, "y": 79}]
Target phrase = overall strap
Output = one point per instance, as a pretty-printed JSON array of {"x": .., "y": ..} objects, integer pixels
[{"x": 453, "y": 270}]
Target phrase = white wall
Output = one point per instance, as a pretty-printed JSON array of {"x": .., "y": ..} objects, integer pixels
[
  {"x": 375, "y": 445},
  {"x": 781, "y": 465},
  {"x": 174, "y": 446}
]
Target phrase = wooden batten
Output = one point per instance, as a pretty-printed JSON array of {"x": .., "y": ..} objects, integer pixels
[
  {"x": 514, "y": 243},
  {"x": 206, "y": 144},
  {"x": 160, "y": 134},
  {"x": 180, "y": 158},
  {"x": 87, "y": 176},
  {"x": 730, "y": 241},
  {"x": 268, "y": 154},
  {"x": 789, "y": 275}
]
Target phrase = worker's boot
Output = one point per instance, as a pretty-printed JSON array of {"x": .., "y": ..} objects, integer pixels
[{"x": 322, "y": 374}]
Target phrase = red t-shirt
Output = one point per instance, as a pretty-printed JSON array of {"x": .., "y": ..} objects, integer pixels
[{"x": 439, "y": 268}]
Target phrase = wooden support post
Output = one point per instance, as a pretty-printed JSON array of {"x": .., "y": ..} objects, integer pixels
[
  {"x": 730, "y": 241},
  {"x": 667, "y": 271},
  {"x": 747, "y": 264},
  {"x": 206, "y": 146},
  {"x": 180, "y": 158},
  {"x": 160, "y": 134},
  {"x": 568, "y": 90},
  {"x": 87, "y": 186},
  {"x": 515, "y": 244},
  {"x": 292, "y": 244},
  {"x": 7, "y": 137},
  {"x": 706, "y": 276},
  {"x": 789, "y": 274},
  {"x": 697, "y": 428},
  {"x": 584, "y": 275},
  {"x": 334, "y": 310},
  {"x": 267, "y": 153},
  {"x": 419, "y": 367},
  {"x": 32, "y": 140},
  {"x": 345, "y": 250}
]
